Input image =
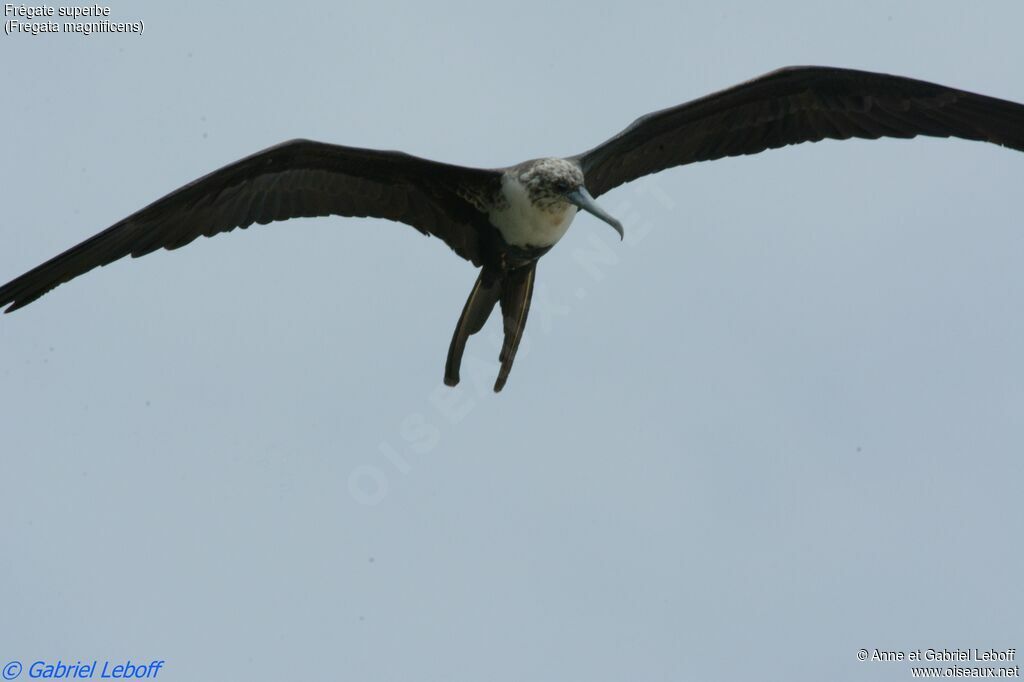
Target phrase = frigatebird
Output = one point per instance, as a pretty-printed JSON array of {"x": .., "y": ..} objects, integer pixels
[{"x": 503, "y": 220}]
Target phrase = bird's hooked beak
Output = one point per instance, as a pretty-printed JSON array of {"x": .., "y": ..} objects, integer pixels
[{"x": 581, "y": 197}]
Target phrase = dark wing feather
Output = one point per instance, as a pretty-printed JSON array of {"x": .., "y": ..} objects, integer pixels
[
  {"x": 794, "y": 105},
  {"x": 295, "y": 179}
]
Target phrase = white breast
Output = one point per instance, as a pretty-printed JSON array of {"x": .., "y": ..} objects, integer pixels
[{"x": 523, "y": 224}]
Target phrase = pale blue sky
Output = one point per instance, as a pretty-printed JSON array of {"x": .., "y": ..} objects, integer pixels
[{"x": 781, "y": 422}]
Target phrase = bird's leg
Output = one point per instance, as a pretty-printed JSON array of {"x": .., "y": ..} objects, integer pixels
[{"x": 482, "y": 297}]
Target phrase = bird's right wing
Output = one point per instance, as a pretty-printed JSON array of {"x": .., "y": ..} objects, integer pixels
[
  {"x": 794, "y": 105},
  {"x": 300, "y": 178}
]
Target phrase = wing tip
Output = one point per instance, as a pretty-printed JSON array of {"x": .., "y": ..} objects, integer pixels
[{"x": 15, "y": 305}]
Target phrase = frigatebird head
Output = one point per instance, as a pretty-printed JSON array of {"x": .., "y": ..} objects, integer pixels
[{"x": 559, "y": 180}]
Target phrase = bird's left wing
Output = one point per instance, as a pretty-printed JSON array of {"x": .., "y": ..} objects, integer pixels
[
  {"x": 300, "y": 178},
  {"x": 794, "y": 105}
]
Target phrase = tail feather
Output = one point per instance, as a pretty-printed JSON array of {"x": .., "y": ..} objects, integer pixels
[
  {"x": 513, "y": 289},
  {"x": 515, "y": 306},
  {"x": 481, "y": 301}
]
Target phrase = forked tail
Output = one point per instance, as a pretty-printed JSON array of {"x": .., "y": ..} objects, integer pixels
[{"x": 514, "y": 289}]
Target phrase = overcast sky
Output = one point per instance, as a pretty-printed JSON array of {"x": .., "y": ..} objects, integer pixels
[{"x": 781, "y": 422}]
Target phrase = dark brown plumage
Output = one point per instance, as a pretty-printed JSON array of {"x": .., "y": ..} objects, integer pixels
[
  {"x": 296, "y": 179},
  {"x": 793, "y": 105},
  {"x": 474, "y": 211}
]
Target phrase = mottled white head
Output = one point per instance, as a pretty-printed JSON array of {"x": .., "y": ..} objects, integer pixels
[
  {"x": 547, "y": 181},
  {"x": 541, "y": 198}
]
